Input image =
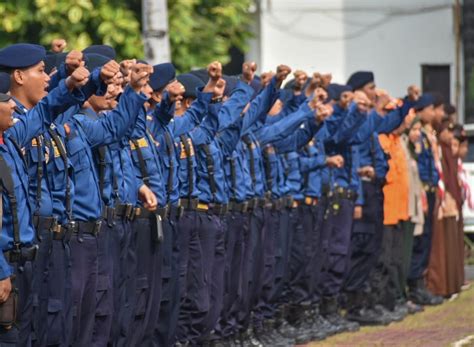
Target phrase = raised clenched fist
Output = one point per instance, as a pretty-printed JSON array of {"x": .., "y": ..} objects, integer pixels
[
  {"x": 109, "y": 72},
  {"x": 214, "y": 70},
  {"x": 139, "y": 76},
  {"x": 58, "y": 45},
  {"x": 78, "y": 78},
  {"x": 73, "y": 61}
]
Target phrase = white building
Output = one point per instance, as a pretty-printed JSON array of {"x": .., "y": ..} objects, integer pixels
[{"x": 403, "y": 42}]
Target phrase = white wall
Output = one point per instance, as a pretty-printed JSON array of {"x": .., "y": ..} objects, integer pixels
[{"x": 391, "y": 38}]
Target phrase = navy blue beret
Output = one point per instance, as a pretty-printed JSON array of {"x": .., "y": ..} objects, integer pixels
[
  {"x": 93, "y": 61},
  {"x": 104, "y": 50},
  {"x": 335, "y": 90},
  {"x": 190, "y": 83},
  {"x": 53, "y": 60},
  {"x": 162, "y": 75},
  {"x": 21, "y": 55},
  {"x": 425, "y": 100},
  {"x": 201, "y": 74},
  {"x": 230, "y": 84},
  {"x": 360, "y": 78},
  {"x": 4, "y": 82}
]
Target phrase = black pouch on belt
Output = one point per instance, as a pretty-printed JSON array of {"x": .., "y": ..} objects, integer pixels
[{"x": 157, "y": 229}]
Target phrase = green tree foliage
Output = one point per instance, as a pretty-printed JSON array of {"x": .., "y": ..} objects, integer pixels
[
  {"x": 204, "y": 30},
  {"x": 200, "y": 30},
  {"x": 80, "y": 22}
]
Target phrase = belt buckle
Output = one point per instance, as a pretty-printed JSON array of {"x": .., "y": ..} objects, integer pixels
[
  {"x": 202, "y": 206},
  {"x": 245, "y": 206},
  {"x": 57, "y": 228}
]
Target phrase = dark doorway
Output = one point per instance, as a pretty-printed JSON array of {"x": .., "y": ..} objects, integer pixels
[{"x": 436, "y": 78}]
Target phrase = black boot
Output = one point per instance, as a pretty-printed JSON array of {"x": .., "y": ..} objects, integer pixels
[
  {"x": 422, "y": 296},
  {"x": 248, "y": 339},
  {"x": 264, "y": 335},
  {"x": 323, "y": 323},
  {"x": 279, "y": 339},
  {"x": 320, "y": 327},
  {"x": 299, "y": 317},
  {"x": 236, "y": 340},
  {"x": 358, "y": 310},
  {"x": 330, "y": 311},
  {"x": 282, "y": 325}
]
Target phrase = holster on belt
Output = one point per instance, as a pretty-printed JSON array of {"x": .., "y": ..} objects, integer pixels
[
  {"x": 8, "y": 309},
  {"x": 156, "y": 229}
]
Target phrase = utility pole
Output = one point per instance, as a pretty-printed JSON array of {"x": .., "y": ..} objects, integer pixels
[{"x": 155, "y": 31}]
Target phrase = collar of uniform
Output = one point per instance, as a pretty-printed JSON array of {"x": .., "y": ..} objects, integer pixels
[{"x": 19, "y": 104}]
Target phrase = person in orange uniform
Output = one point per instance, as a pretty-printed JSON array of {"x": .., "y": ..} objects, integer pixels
[{"x": 396, "y": 197}]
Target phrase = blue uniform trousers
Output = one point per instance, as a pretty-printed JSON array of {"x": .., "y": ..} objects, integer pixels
[
  {"x": 147, "y": 286},
  {"x": 366, "y": 243},
  {"x": 422, "y": 243},
  {"x": 119, "y": 249},
  {"x": 237, "y": 227},
  {"x": 20, "y": 334},
  {"x": 338, "y": 226},
  {"x": 194, "y": 301},
  {"x": 264, "y": 309},
  {"x": 105, "y": 289},
  {"x": 84, "y": 272},
  {"x": 53, "y": 296},
  {"x": 165, "y": 331}
]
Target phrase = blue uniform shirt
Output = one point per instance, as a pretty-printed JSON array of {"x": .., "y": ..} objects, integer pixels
[
  {"x": 227, "y": 114},
  {"x": 165, "y": 129},
  {"x": 28, "y": 126},
  {"x": 86, "y": 134},
  {"x": 426, "y": 163},
  {"x": 312, "y": 161}
]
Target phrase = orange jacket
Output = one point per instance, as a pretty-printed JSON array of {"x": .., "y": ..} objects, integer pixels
[{"x": 396, "y": 189}]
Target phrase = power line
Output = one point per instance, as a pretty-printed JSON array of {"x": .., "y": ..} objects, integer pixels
[{"x": 388, "y": 15}]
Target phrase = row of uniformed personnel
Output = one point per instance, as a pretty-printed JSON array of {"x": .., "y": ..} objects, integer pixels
[{"x": 140, "y": 208}]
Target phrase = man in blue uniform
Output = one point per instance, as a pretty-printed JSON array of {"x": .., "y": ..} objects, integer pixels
[
  {"x": 82, "y": 135},
  {"x": 18, "y": 235}
]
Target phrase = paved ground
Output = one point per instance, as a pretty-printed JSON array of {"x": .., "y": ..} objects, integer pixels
[{"x": 437, "y": 326}]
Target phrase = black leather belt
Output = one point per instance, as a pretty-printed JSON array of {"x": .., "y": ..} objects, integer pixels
[
  {"x": 258, "y": 202},
  {"x": 235, "y": 206},
  {"x": 189, "y": 204},
  {"x": 143, "y": 213},
  {"x": 277, "y": 204},
  {"x": 343, "y": 193},
  {"x": 92, "y": 228},
  {"x": 124, "y": 211},
  {"x": 23, "y": 254},
  {"x": 217, "y": 209},
  {"x": 288, "y": 201}
]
